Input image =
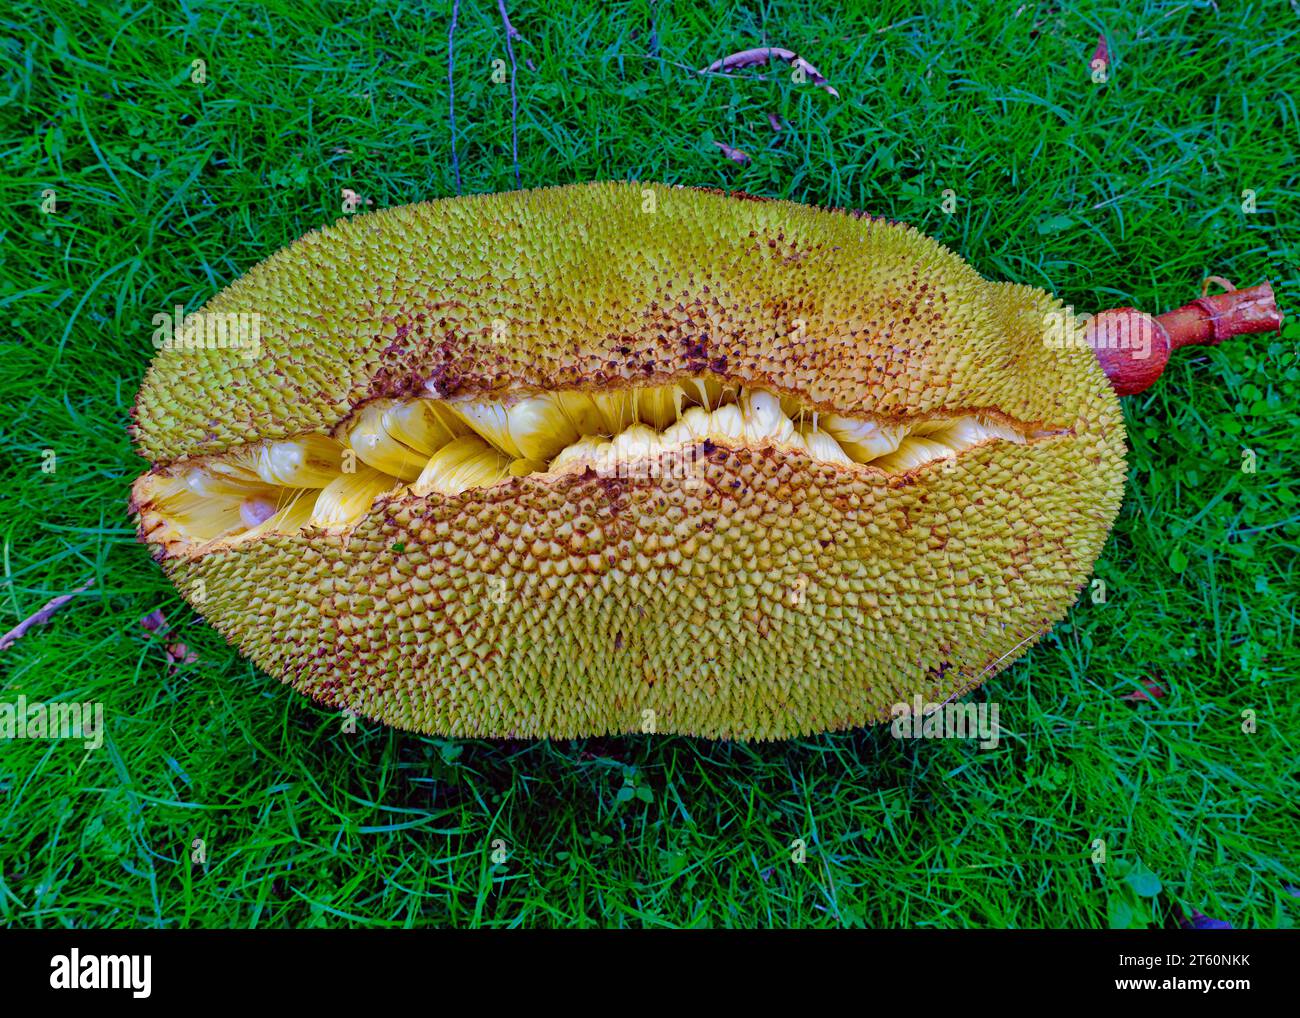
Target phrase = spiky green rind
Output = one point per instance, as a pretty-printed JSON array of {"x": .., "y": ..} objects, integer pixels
[{"x": 775, "y": 596}]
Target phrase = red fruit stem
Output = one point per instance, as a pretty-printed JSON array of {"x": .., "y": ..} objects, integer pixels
[
  {"x": 1134, "y": 347},
  {"x": 1213, "y": 319}
]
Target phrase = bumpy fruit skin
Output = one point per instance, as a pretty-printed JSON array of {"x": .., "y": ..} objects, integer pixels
[{"x": 769, "y": 596}]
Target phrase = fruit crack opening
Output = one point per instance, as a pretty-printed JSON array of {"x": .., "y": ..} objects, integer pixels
[{"x": 428, "y": 446}]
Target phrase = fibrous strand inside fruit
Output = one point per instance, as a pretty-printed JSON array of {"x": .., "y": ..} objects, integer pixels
[{"x": 433, "y": 446}]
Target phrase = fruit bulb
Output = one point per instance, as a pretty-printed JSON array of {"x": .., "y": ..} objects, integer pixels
[{"x": 428, "y": 447}]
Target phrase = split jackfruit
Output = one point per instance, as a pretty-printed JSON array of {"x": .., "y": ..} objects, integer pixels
[{"x": 620, "y": 458}]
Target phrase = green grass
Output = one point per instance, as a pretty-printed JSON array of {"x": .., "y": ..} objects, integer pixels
[{"x": 1127, "y": 193}]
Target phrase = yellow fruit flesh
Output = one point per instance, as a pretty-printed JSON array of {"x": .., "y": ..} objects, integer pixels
[{"x": 434, "y": 447}]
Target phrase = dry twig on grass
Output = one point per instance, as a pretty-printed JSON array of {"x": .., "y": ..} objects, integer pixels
[
  {"x": 511, "y": 35},
  {"x": 451, "y": 88},
  {"x": 760, "y": 56},
  {"x": 41, "y": 617},
  {"x": 734, "y": 154}
]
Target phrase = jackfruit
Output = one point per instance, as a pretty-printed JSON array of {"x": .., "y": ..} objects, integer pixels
[{"x": 646, "y": 459}]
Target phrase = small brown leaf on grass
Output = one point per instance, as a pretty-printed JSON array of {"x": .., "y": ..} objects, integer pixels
[
  {"x": 734, "y": 154},
  {"x": 1102, "y": 53},
  {"x": 352, "y": 200},
  {"x": 1150, "y": 691},
  {"x": 180, "y": 654},
  {"x": 759, "y": 56},
  {"x": 41, "y": 617},
  {"x": 775, "y": 122},
  {"x": 177, "y": 653},
  {"x": 1200, "y": 921}
]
